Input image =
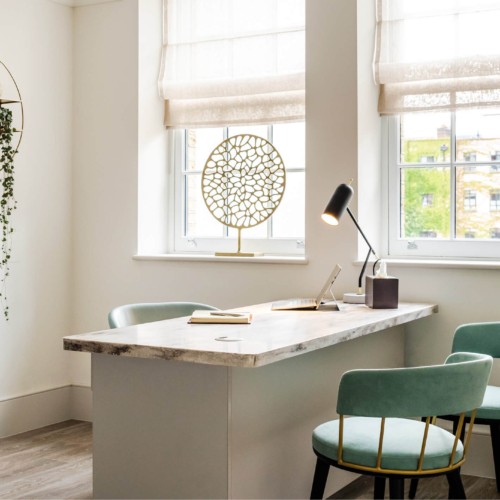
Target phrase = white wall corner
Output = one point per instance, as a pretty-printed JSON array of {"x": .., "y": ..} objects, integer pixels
[{"x": 82, "y": 3}]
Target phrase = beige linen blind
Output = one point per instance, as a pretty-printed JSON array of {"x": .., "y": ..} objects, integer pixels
[
  {"x": 437, "y": 54},
  {"x": 233, "y": 62}
]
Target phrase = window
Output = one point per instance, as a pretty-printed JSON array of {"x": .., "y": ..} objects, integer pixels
[
  {"x": 196, "y": 228},
  {"x": 469, "y": 199},
  {"x": 495, "y": 233},
  {"x": 427, "y": 159},
  {"x": 434, "y": 208},
  {"x": 428, "y": 234},
  {"x": 427, "y": 200},
  {"x": 495, "y": 200},
  {"x": 227, "y": 64}
]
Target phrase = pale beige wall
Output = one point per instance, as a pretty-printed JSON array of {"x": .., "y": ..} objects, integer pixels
[
  {"x": 36, "y": 45},
  {"x": 106, "y": 186}
]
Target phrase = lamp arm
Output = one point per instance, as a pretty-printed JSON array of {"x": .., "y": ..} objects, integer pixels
[
  {"x": 362, "y": 234},
  {"x": 360, "y": 281}
]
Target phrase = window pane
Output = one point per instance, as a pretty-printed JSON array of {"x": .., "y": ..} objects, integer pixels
[
  {"x": 425, "y": 138},
  {"x": 289, "y": 218},
  {"x": 200, "y": 144},
  {"x": 478, "y": 135},
  {"x": 199, "y": 221},
  {"x": 477, "y": 202},
  {"x": 259, "y": 231},
  {"x": 290, "y": 141},
  {"x": 258, "y": 130},
  {"x": 425, "y": 202}
]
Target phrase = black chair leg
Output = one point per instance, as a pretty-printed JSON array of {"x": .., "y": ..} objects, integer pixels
[
  {"x": 320, "y": 477},
  {"x": 413, "y": 488},
  {"x": 379, "y": 488},
  {"x": 456, "y": 490},
  {"x": 495, "y": 442},
  {"x": 396, "y": 488}
]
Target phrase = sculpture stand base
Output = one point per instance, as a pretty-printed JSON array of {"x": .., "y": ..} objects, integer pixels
[{"x": 238, "y": 254}]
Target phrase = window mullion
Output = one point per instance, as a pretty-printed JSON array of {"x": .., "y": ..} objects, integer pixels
[
  {"x": 269, "y": 222},
  {"x": 453, "y": 178}
]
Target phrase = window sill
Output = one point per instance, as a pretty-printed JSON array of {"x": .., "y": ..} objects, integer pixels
[
  {"x": 266, "y": 259},
  {"x": 437, "y": 263}
]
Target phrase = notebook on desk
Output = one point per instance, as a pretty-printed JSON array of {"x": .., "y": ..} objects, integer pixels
[{"x": 285, "y": 305}]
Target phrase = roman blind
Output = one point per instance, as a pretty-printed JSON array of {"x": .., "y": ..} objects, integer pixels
[
  {"x": 233, "y": 62},
  {"x": 437, "y": 54}
]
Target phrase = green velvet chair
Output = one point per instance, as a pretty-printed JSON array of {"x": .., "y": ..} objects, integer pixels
[
  {"x": 380, "y": 440},
  {"x": 482, "y": 338},
  {"x": 136, "y": 314}
]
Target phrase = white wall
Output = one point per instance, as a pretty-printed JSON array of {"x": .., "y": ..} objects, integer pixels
[
  {"x": 106, "y": 185},
  {"x": 36, "y": 45}
]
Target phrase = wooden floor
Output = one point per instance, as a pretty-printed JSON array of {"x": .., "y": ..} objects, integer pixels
[
  {"x": 53, "y": 462},
  {"x": 56, "y": 462},
  {"x": 475, "y": 487}
]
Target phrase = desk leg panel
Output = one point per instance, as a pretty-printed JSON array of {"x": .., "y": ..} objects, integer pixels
[
  {"x": 160, "y": 428},
  {"x": 275, "y": 408}
]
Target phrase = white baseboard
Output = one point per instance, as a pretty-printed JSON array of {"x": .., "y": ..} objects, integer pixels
[
  {"x": 81, "y": 3},
  {"x": 32, "y": 411}
]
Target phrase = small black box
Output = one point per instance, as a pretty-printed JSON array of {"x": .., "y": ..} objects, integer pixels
[{"x": 381, "y": 293}]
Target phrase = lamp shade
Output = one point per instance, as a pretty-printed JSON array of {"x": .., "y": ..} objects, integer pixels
[{"x": 337, "y": 205}]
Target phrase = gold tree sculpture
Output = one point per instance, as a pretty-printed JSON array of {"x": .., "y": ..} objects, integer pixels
[{"x": 243, "y": 183}]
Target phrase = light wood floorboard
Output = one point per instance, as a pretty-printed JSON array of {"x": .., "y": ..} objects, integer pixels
[
  {"x": 53, "y": 462},
  {"x": 437, "y": 487},
  {"x": 56, "y": 462}
]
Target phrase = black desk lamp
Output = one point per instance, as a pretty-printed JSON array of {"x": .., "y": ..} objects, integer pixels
[{"x": 332, "y": 215}]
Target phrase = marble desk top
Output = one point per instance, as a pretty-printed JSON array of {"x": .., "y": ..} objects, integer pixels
[{"x": 272, "y": 335}]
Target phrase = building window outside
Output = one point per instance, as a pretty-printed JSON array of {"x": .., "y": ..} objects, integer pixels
[
  {"x": 428, "y": 159},
  {"x": 495, "y": 233},
  {"x": 427, "y": 200},
  {"x": 470, "y": 234},
  {"x": 428, "y": 234},
  {"x": 470, "y": 200},
  {"x": 495, "y": 200},
  {"x": 463, "y": 180}
]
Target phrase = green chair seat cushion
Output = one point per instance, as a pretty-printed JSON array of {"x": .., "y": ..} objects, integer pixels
[
  {"x": 491, "y": 404},
  {"x": 401, "y": 448}
]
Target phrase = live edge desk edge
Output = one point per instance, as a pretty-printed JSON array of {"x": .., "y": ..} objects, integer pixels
[{"x": 272, "y": 336}]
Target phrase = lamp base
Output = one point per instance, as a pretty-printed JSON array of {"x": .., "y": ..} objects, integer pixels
[{"x": 354, "y": 298}]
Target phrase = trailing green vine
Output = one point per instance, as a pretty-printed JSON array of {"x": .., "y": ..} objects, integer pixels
[{"x": 8, "y": 202}]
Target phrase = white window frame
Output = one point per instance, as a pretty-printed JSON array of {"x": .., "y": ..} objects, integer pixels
[
  {"x": 202, "y": 245},
  {"x": 430, "y": 247}
]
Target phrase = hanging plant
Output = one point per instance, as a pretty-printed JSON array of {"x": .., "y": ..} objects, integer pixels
[{"x": 7, "y": 202}]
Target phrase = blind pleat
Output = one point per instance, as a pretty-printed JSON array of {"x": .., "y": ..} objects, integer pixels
[
  {"x": 437, "y": 55},
  {"x": 262, "y": 109},
  {"x": 229, "y": 62}
]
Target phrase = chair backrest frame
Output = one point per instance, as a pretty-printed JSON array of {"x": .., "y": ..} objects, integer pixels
[
  {"x": 136, "y": 314},
  {"x": 371, "y": 382}
]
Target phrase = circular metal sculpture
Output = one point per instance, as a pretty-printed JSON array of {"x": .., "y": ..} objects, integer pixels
[{"x": 243, "y": 183}]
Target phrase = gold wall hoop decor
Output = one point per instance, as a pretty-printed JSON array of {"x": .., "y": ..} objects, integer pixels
[{"x": 243, "y": 183}]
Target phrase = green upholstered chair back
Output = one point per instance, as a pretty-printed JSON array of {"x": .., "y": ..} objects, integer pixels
[
  {"x": 482, "y": 338},
  {"x": 455, "y": 387},
  {"x": 136, "y": 314}
]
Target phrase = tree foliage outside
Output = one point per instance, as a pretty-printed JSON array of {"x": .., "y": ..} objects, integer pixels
[
  {"x": 420, "y": 218},
  {"x": 417, "y": 218}
]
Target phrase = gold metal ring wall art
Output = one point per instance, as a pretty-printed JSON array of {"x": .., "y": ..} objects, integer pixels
[
  {"x": 243, "y": 183},
  {"x": 4, "y": 101}
]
